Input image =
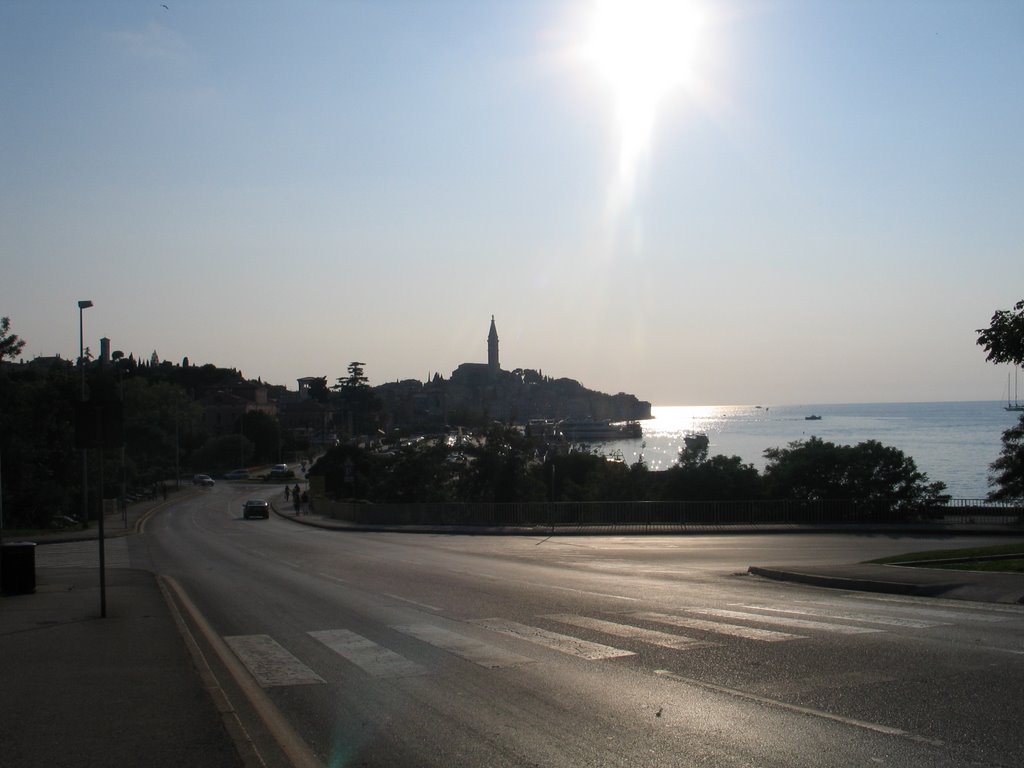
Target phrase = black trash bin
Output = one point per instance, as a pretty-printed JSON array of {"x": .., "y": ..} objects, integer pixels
[{"x": 18, "y": 568}]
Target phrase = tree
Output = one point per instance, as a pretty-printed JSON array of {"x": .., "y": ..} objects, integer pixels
[
  {"x": 318, "y": 389},
  {"x": 694, "y": 450},
  {"x": 720, "y": 478},
  {"x": 359, "y": 405},
  {"x": 264, "y": 433},
  {"x": 40, "y": 475},
  {"x": 815, "y": 470},
  {"x": 10, "y": 344},
  {"x": 1003, "y": 342},
  {"x": 162, "y": 426},
  {"x": 418, "y": 473},
  {"x": 1008, "y": 470},
  {"x": 223, "y": 452},
  {"x": 356, "y": 379},
  {"x": 499, "y": 469},
  {"x": 349, "y": 472}
]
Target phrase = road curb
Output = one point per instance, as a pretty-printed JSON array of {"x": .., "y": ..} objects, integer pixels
[
  {"x": 844, "y": 582},
  {"x": 290, "y": 742}
]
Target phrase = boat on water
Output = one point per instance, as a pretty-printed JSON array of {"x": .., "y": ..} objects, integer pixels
[
  {"x": 597, "y": 430},
  {"x": 696, "y": 441},
  {"x": 812, "y": 417},
  {"x": 1016, "y": 404}
]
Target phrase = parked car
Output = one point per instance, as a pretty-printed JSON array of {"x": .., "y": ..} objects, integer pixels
[
  {"x": 202, "y": 480},
  {"x": 281, "y": 470},
  {"x": 237, "y": 474},
  {"x": 256, "y": 508}
]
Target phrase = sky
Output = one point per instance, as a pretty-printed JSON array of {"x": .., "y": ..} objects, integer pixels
[{"x": 737, "y": 202}]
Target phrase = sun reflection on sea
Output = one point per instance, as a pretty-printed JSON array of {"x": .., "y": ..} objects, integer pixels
[{"x": 664, "y": 433}]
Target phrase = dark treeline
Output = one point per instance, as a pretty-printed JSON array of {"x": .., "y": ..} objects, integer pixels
[
  {"x": 505, "y": 465},
  {"x": 158, "y": 432}
]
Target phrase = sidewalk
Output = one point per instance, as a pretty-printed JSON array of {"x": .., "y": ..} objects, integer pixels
[{"x": 80, "y": 690}]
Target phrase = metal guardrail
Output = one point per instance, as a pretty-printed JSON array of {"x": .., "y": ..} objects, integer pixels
[{"x": 670, "y": 514}]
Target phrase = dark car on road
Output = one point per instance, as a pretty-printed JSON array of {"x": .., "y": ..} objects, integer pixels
[
  {"x": 202, "y": 480},
  {"x": 256, "y": 508}
]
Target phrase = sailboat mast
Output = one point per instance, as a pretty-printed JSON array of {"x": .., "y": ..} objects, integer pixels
[{"x": 1015, "y": 405}]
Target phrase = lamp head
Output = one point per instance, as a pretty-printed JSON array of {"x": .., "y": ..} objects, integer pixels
[{"x": 84, "y": 304}]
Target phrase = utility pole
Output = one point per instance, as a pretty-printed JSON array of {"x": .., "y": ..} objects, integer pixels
[{"x": 82, "y": 306}]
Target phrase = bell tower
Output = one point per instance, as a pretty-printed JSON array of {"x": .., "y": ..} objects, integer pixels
[{"x": 492, "y": 350}]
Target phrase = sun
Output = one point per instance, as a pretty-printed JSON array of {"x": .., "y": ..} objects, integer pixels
[{"x": 645, "y": 50}]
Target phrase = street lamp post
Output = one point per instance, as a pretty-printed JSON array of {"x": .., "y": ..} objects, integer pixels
[{"x": 82, "y": 306}]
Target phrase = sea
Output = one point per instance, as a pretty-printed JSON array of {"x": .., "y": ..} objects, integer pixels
[{"x": 951, "y": 442}]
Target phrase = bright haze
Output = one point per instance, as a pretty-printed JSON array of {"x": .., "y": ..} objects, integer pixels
[{"x": 698, "y": 203}]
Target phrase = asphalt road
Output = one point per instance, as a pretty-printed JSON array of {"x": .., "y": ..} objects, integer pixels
[{"x": 377, "y": 649}]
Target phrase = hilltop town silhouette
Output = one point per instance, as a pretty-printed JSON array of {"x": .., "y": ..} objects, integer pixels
[{"x": 475, "y": 394}]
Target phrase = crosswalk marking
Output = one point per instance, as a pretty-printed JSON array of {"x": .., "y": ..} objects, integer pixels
[
  {"x": 272, "y": 665},
  {"x": 563, "y": 643},
  {"x": 784, "y": 621},
  {"x": 269, "y": 663},
  {"x": 373, "y": 659},
  {"x": 465, "y": 647},
  {"x": 718, "y": 627},
  {"x": 864, "y": 618},
  {"x": 650, "y": 636}
]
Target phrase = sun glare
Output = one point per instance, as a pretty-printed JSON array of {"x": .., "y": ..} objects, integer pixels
[{"x": 645, "y": 50}]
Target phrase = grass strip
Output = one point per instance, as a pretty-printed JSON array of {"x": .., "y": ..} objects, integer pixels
[
  {"x": 1016, "y": 548},
  {"x": 971, "y": 559},
  {"x": 991, "y": 566}
]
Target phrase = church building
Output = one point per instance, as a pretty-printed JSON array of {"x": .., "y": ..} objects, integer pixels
[{"x": 492, "y": 350}]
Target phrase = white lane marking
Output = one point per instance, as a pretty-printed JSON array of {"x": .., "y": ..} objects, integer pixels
[
  {"x": 563, "y": 643},
  {"x": 650, "y": 636},
  {"x": 413, "y": 602},
  {"x": 863, "y": 618},
  {"x": 269, "y": 663},
  {"x": 485, "y": 655},
  {"x": 373, "y": 659},
  {"x": 333, "y": 578},
  {"x": 875, "y": 727},
  {"x": 718, "y": 627},
  {"x": 585, "y": 592},
  {"x": 784, "y": 621},
  {"x": 997, "y": 650}
]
